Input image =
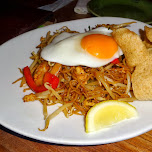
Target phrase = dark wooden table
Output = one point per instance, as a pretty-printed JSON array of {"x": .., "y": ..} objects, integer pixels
[{"x": 13, "y": 142}]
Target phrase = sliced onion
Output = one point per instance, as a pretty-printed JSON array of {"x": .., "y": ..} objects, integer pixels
[
  {"x": 45, "y": 113},
  {"x": 54, "y": 114},
  {"x": 47, "y": 85},
  {"x": 100, "y": 78},
  {"x": 128, "y": 84}
]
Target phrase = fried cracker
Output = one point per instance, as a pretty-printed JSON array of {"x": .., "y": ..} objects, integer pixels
[
  {"x": 142, "y": 80},
  {"x": 132, "y": 46},
  {"x": 148, "y": 37},
  {"x": 148, "y": 31},
  {"x": 147, "y": 43}
]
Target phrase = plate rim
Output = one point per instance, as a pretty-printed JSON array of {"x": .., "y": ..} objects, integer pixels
[{"x": 67, "y": 142}]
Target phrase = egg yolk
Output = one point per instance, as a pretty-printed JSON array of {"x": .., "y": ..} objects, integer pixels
[{"x": 99, "y": 45}]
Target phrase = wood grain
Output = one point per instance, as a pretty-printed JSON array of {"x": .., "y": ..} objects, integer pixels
[{"x": 13, "y": 142}]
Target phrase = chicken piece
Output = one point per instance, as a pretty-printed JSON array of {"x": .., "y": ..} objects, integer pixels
[
  {"x": 40, "y": 71},
  {"x": 142, "y": 80},
  {"x": 82, "y": 75},
  {"x": 132, "y": 46},
  {"x": 30, "y": 97},
  {"x": 56, "y": 69}
]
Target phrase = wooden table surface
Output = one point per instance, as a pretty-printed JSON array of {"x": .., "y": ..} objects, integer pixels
[{"x": 13, "y": 142}]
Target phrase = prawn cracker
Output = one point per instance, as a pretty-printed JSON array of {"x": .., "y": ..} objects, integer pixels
[
  {"x": 142, "y": 80},
  {"x": 132, "y": 46}
]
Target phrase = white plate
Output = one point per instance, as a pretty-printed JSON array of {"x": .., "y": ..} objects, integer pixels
[{"x": 26, "y": 118}]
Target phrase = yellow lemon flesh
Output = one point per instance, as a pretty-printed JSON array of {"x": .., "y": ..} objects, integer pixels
[{"x": 108, "y": 113}]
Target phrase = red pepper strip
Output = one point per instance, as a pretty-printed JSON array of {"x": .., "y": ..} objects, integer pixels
[
  {"x": 30, "y": 81},
  {"x": 115, "y": 61},
  {"x": 48, "y": 77},
  {"x": 40, "y": 89},
  {"x": 52, "y": 79}
]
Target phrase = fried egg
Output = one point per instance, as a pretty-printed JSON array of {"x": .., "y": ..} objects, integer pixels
[{"x": 93, "y": 49}]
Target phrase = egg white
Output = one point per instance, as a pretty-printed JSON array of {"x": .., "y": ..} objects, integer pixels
[{"x": 66, "y": 49}]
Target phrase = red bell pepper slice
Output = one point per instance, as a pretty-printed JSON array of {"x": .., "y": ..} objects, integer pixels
[
  {"x": 115, "y": 61},
  {"x": 48, "y": 77},
  {"x": 29, "y": 79},
  {"x": 52, "y": 79}
]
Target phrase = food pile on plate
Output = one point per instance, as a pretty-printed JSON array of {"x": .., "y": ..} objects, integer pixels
[{"x": 82, "y": 70}]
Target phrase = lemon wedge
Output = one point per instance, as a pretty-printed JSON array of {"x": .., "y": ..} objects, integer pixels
[{"x": 108, "y": 113}]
